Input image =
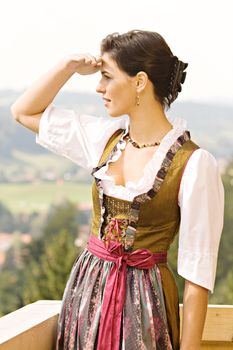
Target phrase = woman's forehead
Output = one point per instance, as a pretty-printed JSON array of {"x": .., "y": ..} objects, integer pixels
[{"x": 108, "y": 63}]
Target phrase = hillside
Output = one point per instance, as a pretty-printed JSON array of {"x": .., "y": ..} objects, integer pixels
[{"x": 211, "y": 127}]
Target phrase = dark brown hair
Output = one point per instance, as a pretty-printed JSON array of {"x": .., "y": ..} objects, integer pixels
[{"x": 140, "y": 50}]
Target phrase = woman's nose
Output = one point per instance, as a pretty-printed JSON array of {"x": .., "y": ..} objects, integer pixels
[{"x": 100, "y": 88}]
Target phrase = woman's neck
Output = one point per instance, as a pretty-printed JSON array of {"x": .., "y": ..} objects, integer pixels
[{"x": 148, "y": 123}]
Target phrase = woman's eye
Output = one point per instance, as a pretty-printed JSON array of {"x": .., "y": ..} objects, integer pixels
[{"x": 105, "y": 76}]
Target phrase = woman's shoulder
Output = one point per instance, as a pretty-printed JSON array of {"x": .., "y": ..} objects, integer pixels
[
  {"x": 201, "y": 172},
  {"x": 201, "y": 157}
]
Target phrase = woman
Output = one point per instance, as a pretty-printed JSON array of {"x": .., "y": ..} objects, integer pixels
[{"x": 151, "y": 181}]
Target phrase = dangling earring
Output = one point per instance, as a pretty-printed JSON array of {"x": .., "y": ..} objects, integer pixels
[{"x": 137, "y": 97}]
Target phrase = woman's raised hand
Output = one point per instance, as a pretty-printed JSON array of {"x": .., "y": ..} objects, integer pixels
[
  {"x": 29, "y": 107},
  {"x": 83, "y": 63}
]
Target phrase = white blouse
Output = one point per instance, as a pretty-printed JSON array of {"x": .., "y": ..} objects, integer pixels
[{"x": 82, "y": 138}]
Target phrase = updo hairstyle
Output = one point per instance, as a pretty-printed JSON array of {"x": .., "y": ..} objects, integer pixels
[{"x": 140, "y": 50}]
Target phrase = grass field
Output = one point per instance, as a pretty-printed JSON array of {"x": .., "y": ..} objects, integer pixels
[{"x": 38, "y": 196}]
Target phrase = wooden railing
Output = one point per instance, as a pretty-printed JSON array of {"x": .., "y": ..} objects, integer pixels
[
  {"x": 218, "y": 330},
  {"x": 33, "y": 327}
]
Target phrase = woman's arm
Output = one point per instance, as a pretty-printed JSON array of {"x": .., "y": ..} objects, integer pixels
[
  {"x": 195, "y": 301},
  {"x": 29, "y": 107},
  {"x": 201, "y": 200}
]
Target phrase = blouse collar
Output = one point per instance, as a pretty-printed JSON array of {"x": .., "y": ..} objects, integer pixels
[{"x": 179, "y": 126}]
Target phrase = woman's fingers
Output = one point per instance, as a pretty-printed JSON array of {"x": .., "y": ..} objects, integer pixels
[
  {"x": 94, "y": 62},
  {"x": 90, "y": 59},
  {"x": 84, "y": 63},
  {"x": 99, "y": 61}
]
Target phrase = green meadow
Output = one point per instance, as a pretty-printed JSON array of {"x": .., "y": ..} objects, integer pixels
[{"x": 29, "y": 197}]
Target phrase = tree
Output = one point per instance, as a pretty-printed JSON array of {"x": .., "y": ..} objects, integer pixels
[
  {"x": 51, "y": 263},
  {"x": 10, "y": 291},
  {"x": 61, "y": 216},
  {"x": 45, "y": 264},
  {"x": 46, "y": 278},
  {"x": 6, "y": 219}
]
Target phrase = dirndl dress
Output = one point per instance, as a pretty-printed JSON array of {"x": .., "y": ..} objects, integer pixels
[{"x": 114, "y": 298}]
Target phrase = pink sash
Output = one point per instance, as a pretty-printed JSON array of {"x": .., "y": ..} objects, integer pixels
[{"x": 114, "y": 292}]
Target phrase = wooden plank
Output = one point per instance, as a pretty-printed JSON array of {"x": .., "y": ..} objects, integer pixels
[
  {"x": 218, "y": 325},
  {"x": 32, "y": 327},
  {"x": 39, "y": 337},
  {"x": 216, "y": 346}
]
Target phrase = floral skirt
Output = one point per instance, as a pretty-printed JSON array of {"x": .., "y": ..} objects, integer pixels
[{"x": 144, "y": 323}]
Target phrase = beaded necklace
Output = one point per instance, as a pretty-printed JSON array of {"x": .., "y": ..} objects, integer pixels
[{"x": 135, "y": 144}]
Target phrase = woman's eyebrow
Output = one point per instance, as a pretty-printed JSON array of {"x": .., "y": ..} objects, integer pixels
[{"x": 105, "y": 71}]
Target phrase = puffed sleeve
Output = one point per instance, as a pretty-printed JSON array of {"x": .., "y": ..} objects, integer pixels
[
  {"x": 201, "y": 201},
  {"x": 78, "y": 137}
]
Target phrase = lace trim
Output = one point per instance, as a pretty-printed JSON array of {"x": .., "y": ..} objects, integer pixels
[
  {"x": 131, "y": 189},
  {"x": 142, "y": 198}
]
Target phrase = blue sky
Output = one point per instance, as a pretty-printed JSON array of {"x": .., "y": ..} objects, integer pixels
[{"x": 35, "y": 35}]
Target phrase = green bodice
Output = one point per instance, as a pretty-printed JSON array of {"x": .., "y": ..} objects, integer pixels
[{"x": 158, "y": 218}]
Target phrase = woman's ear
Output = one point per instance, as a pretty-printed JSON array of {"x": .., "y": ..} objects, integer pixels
[{"x": 141, "y": 81}]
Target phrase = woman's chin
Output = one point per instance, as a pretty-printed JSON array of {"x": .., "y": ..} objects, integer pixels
[{"x": 114, "y": 114}]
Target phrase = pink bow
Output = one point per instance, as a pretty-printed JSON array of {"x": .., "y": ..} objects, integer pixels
[{"x": 114, "y": 292}]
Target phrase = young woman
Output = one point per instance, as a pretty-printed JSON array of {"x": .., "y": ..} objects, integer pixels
[{"x": 150, "y": 181}]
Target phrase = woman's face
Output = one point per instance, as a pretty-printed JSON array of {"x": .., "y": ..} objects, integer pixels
[{"x": 117, "y": 87}]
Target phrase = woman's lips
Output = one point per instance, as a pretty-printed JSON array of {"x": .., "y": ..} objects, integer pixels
[{"x": 106, "y": 101}]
